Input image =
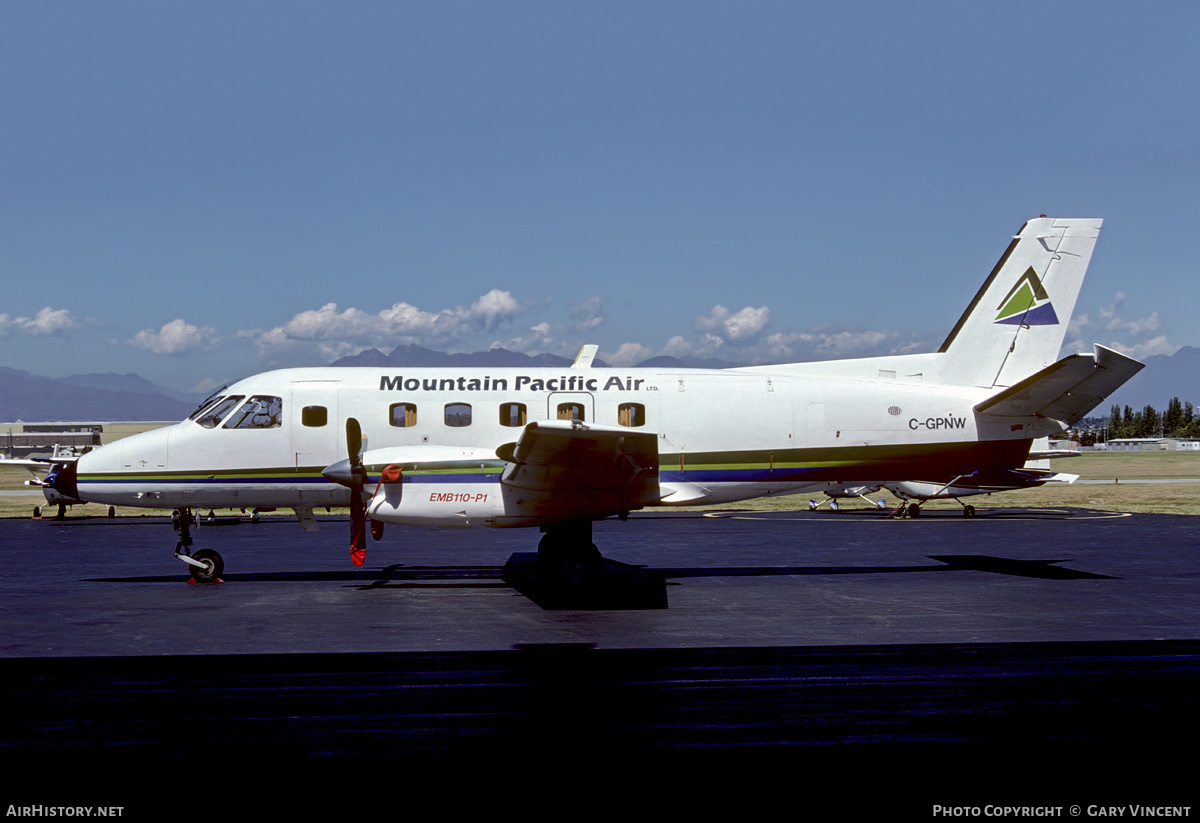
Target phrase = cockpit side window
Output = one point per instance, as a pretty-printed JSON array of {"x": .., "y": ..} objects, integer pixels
[
  {"x": 259, "y": 412},
  {"x": 215, "y": 412}
]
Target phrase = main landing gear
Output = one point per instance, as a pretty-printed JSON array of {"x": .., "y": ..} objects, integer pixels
[
  {"x": 813, "y": 505},
  {"x": 907, "y": 509},
  {"x": 566, "y": 553},
  {"x": 205, "y": 565}
]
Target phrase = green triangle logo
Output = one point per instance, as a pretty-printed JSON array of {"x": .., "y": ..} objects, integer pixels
[{"x": 1024, "y": 295}]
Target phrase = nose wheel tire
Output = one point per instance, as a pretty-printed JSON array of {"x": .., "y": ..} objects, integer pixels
[{"x": 213, "y": 566}]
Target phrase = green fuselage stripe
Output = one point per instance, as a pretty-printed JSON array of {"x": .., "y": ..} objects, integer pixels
[{"x": 890, "y": 462}]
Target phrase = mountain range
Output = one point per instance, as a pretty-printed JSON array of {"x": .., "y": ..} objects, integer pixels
[
  {"x": 118, "y": 397},
  {"x": 88, "y": 397},
  {"x": 1165, "y": 376},
  {"x": 416, "y": 356}
]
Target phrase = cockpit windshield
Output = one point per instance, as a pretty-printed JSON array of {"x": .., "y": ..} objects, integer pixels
[
  {"x": 207, "y": 404},
  {"x": 215, "y": 412},
  {"x": 259, "y": 412}
]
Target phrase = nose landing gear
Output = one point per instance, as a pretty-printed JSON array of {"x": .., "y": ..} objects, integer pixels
[{"x": 206, "y": 565}]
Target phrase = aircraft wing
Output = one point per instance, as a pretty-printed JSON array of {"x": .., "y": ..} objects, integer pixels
[
  {"x": 62, "y": 455},
  {"x": 34, "y": 465},
  {"x": 572, "y": 470},
  {"x": 23, "y": 461},
  {"x": 1066, "y": 390}
]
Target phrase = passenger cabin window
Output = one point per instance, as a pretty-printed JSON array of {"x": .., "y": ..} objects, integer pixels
[
  {"x": 458, "y": 415},
  {"x": 513, "y": 414},
  {"x": 314, "y": 416},
  {"x": 403, "y": 415},
  {"x": 216, "y": 412},
  {"x": 570, "y": 411},
  {"x": 259, "y": 412},
  {"x": 631, "y": 414}
]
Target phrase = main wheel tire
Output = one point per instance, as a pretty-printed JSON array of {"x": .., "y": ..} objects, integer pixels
[
  {"x": 581, "y": 563},
  {"x": 567, "y": 561}
]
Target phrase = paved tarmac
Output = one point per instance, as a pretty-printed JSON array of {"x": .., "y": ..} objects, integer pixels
[
  {"x": 1061, "y": 632},
  {"x": 100, "y": 587}
]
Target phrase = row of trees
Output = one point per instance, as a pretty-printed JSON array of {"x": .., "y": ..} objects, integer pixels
[{"x": 1179, "y": 420}]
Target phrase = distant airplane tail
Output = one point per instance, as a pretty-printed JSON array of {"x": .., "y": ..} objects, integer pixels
[{"x": 1016, "y": 324}]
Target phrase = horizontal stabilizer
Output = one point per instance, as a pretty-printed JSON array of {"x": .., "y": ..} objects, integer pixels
[
  {"x": 571, "y": 470},
  {"x": 1051, "y": 454},
  {"x": 1066, "y": 390}
]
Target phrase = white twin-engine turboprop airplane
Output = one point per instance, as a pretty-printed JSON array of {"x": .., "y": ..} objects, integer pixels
[{"x": 560, "y": 448}]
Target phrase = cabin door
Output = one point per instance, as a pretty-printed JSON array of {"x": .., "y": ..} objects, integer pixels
[{"x": 313, "y": 417}]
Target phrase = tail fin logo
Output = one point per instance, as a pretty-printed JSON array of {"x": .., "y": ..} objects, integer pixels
[{"x": 1027, "y": 304}]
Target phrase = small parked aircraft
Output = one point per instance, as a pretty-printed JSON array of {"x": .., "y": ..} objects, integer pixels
[
  {"x": 1036, "y": 472},
  {"x": 44, "y": 471},
  {"x": 558, "y": 449}
]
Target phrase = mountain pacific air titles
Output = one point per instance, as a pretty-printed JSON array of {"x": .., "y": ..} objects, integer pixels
[
  {"x": 521, "y": 382},
  {"x": 560, "y": 448}
]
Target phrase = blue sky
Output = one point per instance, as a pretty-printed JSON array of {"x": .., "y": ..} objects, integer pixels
[{"x": 199, "y": 191}]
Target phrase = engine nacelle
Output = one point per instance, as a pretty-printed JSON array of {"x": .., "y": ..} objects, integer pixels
[
  {"x": 434, "y": 486},
  {"x": 455, "y": 505}
]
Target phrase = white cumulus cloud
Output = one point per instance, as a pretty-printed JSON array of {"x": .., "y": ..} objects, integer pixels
[
  {"x": 735, "y": 327},
  {"x": 327, "y": 333},
  {"x": 176, "y": 338},
  {"x": 627, "y": 354},
  {"x": 47, "y": 322},
  {"x": 1133, "y": 336},
  {"x": 589, "y": 314}
]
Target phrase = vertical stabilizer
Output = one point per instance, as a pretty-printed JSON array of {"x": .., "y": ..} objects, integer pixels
[{"x": 1017, "y": 322}]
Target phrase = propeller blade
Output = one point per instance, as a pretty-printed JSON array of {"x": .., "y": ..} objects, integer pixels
[
  {"x": 358, "y": 534},
  {"x": 358, "y": 509},
  {"x": 354, "y": 441}
]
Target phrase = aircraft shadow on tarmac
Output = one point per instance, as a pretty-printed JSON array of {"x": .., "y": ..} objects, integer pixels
[{"x": 618, "y": 586}]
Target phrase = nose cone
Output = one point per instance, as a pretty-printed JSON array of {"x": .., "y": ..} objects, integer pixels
[
  {"x": 117, "y": 472},
  {"x": 340, "y": 472},
  {"x": 82, "y": 476}
]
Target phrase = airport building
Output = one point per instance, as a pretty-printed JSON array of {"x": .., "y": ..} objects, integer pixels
[
  {"x": 1149, "y": 444},
  {"x": 21, "y": 439}
]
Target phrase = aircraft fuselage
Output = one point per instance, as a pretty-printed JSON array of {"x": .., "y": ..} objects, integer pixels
[{"x": 722, "y": 435}]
